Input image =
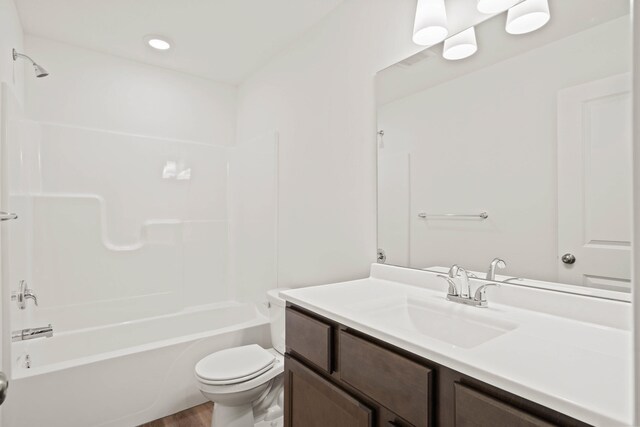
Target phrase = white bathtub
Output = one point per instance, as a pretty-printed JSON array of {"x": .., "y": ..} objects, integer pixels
[{"x": 124, "y": 374}]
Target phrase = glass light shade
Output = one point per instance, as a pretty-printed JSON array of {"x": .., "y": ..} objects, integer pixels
[
  {"x": 461, "y": 45},
  {"x": 495, "y": 6},
  {"x": 430, "y": 26},
  {"x": 528, "y": 16}
]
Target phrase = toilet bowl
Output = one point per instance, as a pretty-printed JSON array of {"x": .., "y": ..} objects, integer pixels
[{"x": 245, "y": 383}]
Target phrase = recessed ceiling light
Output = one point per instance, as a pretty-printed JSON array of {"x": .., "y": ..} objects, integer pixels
[{"x": 158, "y": 43}]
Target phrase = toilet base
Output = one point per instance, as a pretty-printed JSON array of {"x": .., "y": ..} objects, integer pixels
[
  {"x": 278, "y": 422},
  {"x": 232, "y": 416},
  {"x": 241, "y": 416}
]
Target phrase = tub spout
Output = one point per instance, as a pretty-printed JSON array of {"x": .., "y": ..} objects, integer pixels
[{"x": 32, "y": 333}]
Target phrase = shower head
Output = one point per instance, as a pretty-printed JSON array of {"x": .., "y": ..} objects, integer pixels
[{"x": 39, "y": 70}]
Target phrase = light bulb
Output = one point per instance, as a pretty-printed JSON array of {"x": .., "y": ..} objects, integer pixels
[
  {"x": 528, "y": 16},
  {"x": 430, "y": 26},
  {"x": 461, "y": 45}
]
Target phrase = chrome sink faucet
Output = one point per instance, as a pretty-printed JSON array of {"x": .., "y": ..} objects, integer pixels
[
  {"x": 463, "y": 296},
  {"x": 495, "y": 264}
]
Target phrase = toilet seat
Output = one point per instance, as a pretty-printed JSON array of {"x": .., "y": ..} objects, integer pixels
[
  {"x": 276, "y": 369},
  {"x": 234, "y": 365}
]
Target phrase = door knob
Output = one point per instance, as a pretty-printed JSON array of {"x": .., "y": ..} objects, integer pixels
[
  {"x": 4, "y": 385},
  {"x": 568, "y": 259}
]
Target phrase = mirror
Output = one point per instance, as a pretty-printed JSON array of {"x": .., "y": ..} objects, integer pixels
[{"x": 521, "y": 152}]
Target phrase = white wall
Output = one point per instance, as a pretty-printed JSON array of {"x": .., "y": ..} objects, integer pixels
[
  {"x": 635, "y": 276},
  {"x": 491, "y": 136},
  {"x": 253, "y": 217},
  {"x": 91, "y": 89},
  {"x": 11, "y": 37},
  {"x": 319, "y": 95}
]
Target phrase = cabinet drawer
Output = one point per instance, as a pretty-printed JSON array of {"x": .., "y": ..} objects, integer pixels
[
  {"x": 309, "y": 338},
  {"x": 401, "y": 385},
  {"x": 387, "y": 418},
  {"x": 475, "y": 409},
  {"x": 312, "y": 401}
]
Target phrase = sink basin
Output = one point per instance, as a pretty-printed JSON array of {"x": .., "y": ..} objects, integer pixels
[{"x": 444, "y": 321}]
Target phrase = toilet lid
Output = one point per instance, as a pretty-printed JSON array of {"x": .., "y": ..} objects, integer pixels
[{"x": 235, "y": 365}]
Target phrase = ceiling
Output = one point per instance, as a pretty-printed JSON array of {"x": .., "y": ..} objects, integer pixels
[{"x": 222, "y": 40}]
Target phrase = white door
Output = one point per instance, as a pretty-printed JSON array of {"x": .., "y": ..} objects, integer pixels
[{"x": 595, "y": 183}]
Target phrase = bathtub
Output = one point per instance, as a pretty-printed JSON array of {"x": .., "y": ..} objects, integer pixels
[{"x": 124, "y": 374}]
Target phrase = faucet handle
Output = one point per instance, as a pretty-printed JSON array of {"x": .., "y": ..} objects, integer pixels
[
  {"x": 453, "y": 289},
  {"x": 28, "y": 294},
  {"x": 481, "y": 292},
  {"x": 453, "y": 271},
  {"x": 22, "y": 295}
]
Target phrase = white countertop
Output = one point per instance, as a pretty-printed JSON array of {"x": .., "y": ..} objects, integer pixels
[{"x": 567, "y": 352}]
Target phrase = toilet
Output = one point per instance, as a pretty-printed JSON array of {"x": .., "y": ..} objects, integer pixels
[{"x": 246, "y": 383}]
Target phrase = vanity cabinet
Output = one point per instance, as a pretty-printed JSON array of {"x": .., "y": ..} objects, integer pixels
[
  {"x": 475, "y": 409},
  {"x": 336, "y": 376},
  {"x": 311, "y": 401},
  {"x": 310, "y": 339},
  {"x": 396, "y": 382}
]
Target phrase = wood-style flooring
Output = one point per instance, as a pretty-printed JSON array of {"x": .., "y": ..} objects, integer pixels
[{"x": 198, "y": 416}]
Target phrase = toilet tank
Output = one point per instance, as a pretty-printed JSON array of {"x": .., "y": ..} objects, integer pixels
[{"x": 276, "y": 318}]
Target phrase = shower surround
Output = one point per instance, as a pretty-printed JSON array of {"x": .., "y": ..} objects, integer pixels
[{"x": 132, "y": 243}]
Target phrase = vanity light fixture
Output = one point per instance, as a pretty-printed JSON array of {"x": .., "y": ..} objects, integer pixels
[
  {"x": 158, "y": 43},
  {"x": 495, "y": 6},
  {"x": 461, "y": 45},
  {"x": 528, "y": 16},
  {"x": 430, "y": 26}
]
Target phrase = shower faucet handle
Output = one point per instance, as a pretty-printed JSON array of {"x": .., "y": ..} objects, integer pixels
[{"x": 22, "y": 295}]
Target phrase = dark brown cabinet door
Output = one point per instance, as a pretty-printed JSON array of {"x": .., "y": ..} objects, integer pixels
[
  {"x": 387, "y": 418},
  {"x": 401, "y": 385},
  {"x": 309, "y": 339},
  {"x": 312, "y": 401},
  {"x": 475, "y": 409}
]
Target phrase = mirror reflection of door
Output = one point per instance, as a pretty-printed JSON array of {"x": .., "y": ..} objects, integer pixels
[{"x": 594, "y": 183}]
